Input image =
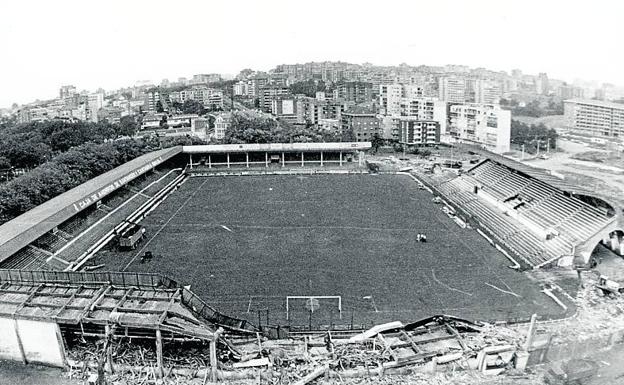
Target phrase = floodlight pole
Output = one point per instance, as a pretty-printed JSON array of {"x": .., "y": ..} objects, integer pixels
[{"x": 548, "y": 146}]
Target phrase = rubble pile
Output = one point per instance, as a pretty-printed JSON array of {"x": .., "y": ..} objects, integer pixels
[
  {"x": 597, "y": 315},
  {"x": 436, "y": 350}
]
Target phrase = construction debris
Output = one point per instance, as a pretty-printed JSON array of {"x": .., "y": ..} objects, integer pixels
[{"x": 436, "y": 350}]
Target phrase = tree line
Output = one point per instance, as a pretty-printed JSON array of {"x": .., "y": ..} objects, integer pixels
[
  {"x": 31, "y": 144},
  {"x": 534, "y": 108},
  {"x": 532, "y": 135},
  {"x": 66, "y": 171},
  {"x": 245, "y": 128}
]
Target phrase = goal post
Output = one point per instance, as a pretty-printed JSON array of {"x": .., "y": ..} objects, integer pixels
[{"x": 311, "y": 299}]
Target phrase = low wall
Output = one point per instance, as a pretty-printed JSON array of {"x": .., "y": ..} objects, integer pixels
[
  {"x": 31, "y": 342},
  {"x": 9, "y": 342},
  {"x": 549, "y": 349}
]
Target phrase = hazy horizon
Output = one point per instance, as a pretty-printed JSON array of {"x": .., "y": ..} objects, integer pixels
[{"x": 115, "y": 44}]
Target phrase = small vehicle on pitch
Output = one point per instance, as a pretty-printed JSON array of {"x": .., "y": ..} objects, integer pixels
[{"x": 131, "y": 236}]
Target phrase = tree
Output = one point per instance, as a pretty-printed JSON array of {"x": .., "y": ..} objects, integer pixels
[
  {"x": 65, "y": 171},
  {"x": 159, "y": 107},
  {"x": 347, "y": 136},
  {"x": 193, "y": 107},
  {"x": 128, "y": 126},
  {"x": 376, "y": 142},
  {"x": 245, "y": 73},
  {"x": 163, "y": 122},
  {"x": 532, "y": 136},
  {"x": 4, "y": 163},
  {"x": 308, "y": 87},
  {"x": 250, "y": 129}
]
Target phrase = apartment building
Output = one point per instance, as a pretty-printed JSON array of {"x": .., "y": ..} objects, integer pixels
[
  {"x": 67, "y": 92},
  {"x": 205, "y": 78},
  {"x": 152, "y": 97},
  {"x": 486, "y": 91},
  {"x": 390, "y": 98},
  {"x": 268, "y": 93},
  {"x": 452, "y": 89},
  {"x": 209, "y": 97},
  {"x": 313, "y": 110},
  {"x": 357, "y": 92},
  {"x": 362, "y": 122},
  {"x": 94, "y": 103},
  {"x": 418, "y": 132},
  {"x": 486, "y": 125},
  {"x": 222, "y": 123},
  {"x": 595, "y": 118},
  {"x": 570, "y": 92}
]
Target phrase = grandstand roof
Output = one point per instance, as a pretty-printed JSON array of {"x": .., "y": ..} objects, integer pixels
[
  {"x": 145, "y": 308},
  {"x": 534, "y": 172},
  {"x": 25, "y": 229},
  {"x": 277, "y": 147}
]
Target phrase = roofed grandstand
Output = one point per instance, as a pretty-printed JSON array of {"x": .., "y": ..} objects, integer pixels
[{"x": 535, "y": 220}]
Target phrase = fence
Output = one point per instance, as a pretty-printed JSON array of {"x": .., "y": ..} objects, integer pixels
[{"x": 95, "y": 278}]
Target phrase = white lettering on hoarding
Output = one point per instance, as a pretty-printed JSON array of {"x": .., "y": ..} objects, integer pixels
[{"x": 81, "y": 205}]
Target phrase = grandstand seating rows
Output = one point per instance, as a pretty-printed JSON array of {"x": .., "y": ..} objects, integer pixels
[
  {"x": 51, "y": 243},
  {"x": 547, "y": 206},
  {"x": 30, "y": 258},
  {"x": 534, "y": 201}
]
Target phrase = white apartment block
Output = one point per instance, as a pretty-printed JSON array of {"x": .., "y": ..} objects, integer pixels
[
  {"x": 487, "y": 91},
  {"x": 429, "y": 109},
  {"x": 390, "y": 96},
  {"x": 242, "y": 88},
  {"x": 209, "y": 97},
  {"x": 452, "y": 89},
  {"x": 419, "y": 132},
  {"x": 94, "y": 103},
  {"x": 222, "y": 123},
  {"x": 485, "y": 125},
  {"x": 594, "y": 117}
]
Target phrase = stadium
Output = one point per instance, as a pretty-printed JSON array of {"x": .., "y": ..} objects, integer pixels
[{"x": 274, "y": 238}]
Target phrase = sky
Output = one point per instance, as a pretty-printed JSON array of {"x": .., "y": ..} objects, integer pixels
[{"x": 112, "y": 44}]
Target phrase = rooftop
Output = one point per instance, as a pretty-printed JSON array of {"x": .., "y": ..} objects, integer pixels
[
  {"x": 277, "y": 147},
  {"x": 597, "y": 103},
  {"x": 358, "y": 110}
]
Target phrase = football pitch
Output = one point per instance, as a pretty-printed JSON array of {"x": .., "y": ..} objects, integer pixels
[{"x": 246, "y": 243}]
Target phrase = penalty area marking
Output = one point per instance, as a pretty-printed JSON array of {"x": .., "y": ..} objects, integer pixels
[
  {"x": 447, "y": 286},
  {"x": 503, "y": 291}
]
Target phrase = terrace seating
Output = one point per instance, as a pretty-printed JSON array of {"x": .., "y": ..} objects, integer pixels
[
  {"x": 27, "y": 258},
  {"x": 51, "y": 242},
  {"x": 35, "y": 256},
  {"x": 544, "y": 205}
]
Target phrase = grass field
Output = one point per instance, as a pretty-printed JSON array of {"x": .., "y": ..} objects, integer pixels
[{"x": 245, "y": 243}]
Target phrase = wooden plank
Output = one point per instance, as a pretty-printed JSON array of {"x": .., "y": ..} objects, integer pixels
[
  {"x": 19, "y": 342},
  {"x": 410, "y": 341},
  {"x": 30, "y": 297},
  {"x": 459, "y": 338},
  {"x": 61, "y": 344},
  {"x": 159, "y": 353},
  {"x": 96, "y": 299},
  {"x": 71, "y": 298}
]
